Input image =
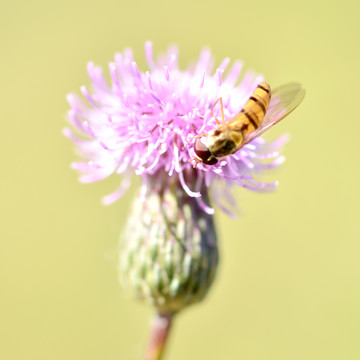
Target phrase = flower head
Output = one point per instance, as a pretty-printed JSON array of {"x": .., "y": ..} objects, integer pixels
[{"x": 145, "y": 123}]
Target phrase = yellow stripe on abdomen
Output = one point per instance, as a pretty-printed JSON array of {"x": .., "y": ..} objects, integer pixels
[
  {"x": 253, "y": 112},
  {"x": 255, "y": 108}
]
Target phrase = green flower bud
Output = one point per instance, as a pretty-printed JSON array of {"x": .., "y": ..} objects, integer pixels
[{"x": 169, "y": 254}]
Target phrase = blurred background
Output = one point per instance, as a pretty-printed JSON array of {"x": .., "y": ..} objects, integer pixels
[{"x": 288, "y": 285}]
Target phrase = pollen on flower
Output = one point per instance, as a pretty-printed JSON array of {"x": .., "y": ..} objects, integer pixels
[{"x": 145, "y": 122}]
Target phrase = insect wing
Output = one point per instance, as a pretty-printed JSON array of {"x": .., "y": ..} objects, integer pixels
[{"x": 284, "y": 100}]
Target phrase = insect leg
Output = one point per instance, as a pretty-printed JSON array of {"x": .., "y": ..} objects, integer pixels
[
  {"x": 222, "y": 110},
  {"x": 196, "y": 162}
]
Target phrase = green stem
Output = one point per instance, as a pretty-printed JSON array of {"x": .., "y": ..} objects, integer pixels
[{"x": 159, "y": 336}]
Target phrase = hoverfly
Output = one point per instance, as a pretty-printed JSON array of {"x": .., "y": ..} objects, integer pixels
[{"x": 262, "y": 110}]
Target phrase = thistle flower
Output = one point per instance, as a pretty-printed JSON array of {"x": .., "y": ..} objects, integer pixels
[
  {"x": 143, "y": 124},
  {"x": 140, "y": 123}
]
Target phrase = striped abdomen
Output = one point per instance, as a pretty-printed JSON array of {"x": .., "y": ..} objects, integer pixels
[{"x": 253, "y": 112}]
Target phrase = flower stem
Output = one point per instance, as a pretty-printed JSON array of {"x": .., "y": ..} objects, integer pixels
[{"x": 159, "y": 336}]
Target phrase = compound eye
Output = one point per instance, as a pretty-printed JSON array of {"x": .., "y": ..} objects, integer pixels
[{"x": 203, "y": 153}]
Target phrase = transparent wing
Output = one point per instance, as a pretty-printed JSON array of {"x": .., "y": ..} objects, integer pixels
[{"x": 284, "y": 100}]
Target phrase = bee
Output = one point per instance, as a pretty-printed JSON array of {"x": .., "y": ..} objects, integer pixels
[{"x": 263, "y": 109}]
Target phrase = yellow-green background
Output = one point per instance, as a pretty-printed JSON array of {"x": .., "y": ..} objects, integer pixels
[{"x": 288, "y": 286}]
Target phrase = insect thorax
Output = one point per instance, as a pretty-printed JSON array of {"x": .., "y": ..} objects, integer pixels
[{"x": 224, "y": 143}]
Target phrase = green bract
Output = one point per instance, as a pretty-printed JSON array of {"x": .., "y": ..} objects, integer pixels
[{"x": 169, "y": 254}]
